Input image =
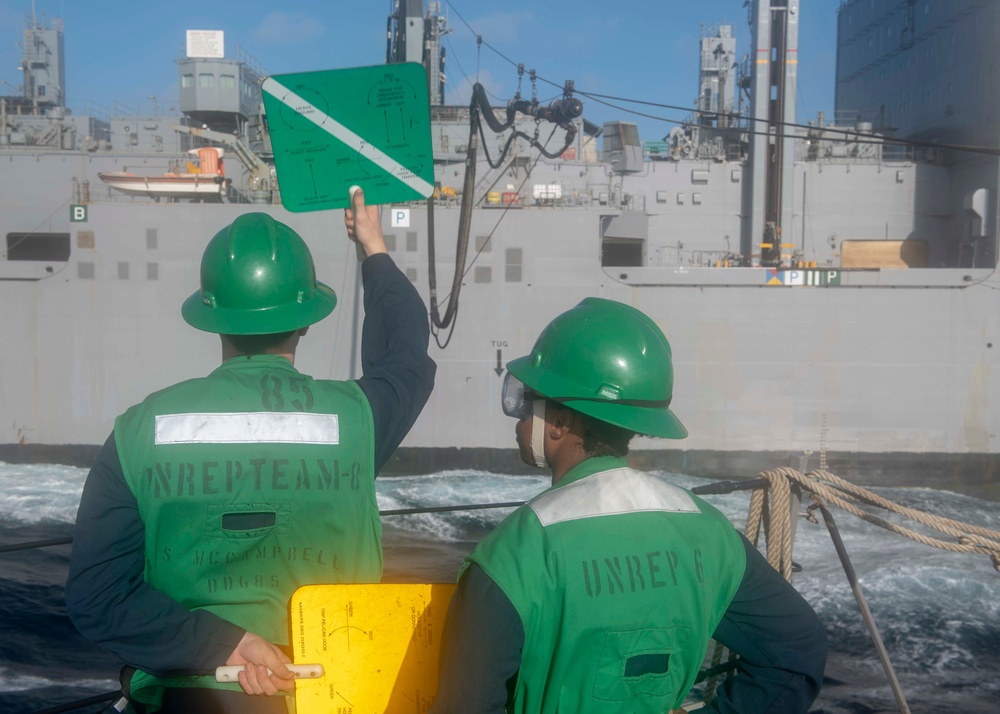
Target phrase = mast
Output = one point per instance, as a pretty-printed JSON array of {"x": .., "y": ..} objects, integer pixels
[
  {"x": 413, "y": 36},
  {"x": 43, "y": 64},
  {"x": 772, "y": 98},
  {"x": 716, "y": 80}
]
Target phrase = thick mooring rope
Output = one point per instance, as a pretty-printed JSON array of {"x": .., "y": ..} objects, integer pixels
[
  {"x": 771, "y": 507},
  {"x": 846, "y": 495}
]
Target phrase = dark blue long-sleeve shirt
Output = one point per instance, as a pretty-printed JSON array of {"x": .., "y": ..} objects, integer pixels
[{"x": 106, "y": 596}]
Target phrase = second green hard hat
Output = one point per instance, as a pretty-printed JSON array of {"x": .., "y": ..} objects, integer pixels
[
  {"x": 257, "y": 277},
  {"x": 609, "y": 361}
]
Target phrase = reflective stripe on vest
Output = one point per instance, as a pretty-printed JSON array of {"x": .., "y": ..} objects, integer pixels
[
  {"x": 247, "y": 428},
  {"x": 611, "y": 492}
]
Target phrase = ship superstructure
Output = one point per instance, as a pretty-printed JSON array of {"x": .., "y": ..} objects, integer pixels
[
  {"x": 812, "y": 279},
  {"x": 923, "y": 71}
]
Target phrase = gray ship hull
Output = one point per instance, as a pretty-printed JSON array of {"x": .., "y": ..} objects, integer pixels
[
  {"x": 894, "y": 383},
  {"x": 862, "y": 337}
]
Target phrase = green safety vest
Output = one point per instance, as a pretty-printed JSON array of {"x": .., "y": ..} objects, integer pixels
[
  {"x": 620, "y": 579},
  {"x": 250, "y": 483}
]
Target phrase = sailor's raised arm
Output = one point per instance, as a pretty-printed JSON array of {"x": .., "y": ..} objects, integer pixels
[{"x": 398, "y": 374}]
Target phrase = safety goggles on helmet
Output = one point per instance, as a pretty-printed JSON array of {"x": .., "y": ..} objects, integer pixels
[{"x": 517, "y": 398}]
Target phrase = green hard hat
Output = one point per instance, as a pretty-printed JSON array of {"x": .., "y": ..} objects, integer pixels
[
  {"x": 257, "y": 278},
  {"x": 609, "y": 361}
]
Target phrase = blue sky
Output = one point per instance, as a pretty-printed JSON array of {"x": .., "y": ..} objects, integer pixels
[{"x": 124, "y": 52}]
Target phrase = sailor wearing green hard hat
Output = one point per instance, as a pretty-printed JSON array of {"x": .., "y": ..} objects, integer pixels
[
  {"x": 585, "y": 360},
  {"x": 257, "y": 277},
  {"x": 201, "y": 478},
  {"x": 602, "y": 593}
]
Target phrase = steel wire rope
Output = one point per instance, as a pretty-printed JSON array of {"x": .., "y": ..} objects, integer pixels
[
  {"x": 480, "y": 109},
  {"x": 474, "y": 33},
  {"x": 853, "y": 135},
  {"x": 486, "y": 242},
  {"x": 800, "y": 98},
  {"x": 31, "y": 545},
  {"x": 343, "y": 281},
  {"x": 984, "y": 282},
  {"x": 479, "y": 37},
  {"x": 455, "y": 56},
  {"x": 53, "y": 274},
  {"x": 847, "y": 133}
]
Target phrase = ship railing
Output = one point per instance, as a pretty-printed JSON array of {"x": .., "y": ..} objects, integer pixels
[
  {"x": 444, "y": 112},
  {"x": 122, "y": 110},
  {"x": 461, "y": 114},
  {"x": 90, "y": 108},
  {"x": 244, "y": 57},
  {"x": 775, "y": 505},
  {"x": 898, "y": 152}
]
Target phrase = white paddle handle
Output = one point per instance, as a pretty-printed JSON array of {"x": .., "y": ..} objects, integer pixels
[{"x": 231, "y": 672}]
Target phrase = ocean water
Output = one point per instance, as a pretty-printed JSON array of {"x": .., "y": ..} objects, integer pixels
[{"x": 938, "y": 612}]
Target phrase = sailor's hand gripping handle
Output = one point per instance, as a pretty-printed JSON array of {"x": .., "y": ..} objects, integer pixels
[{"x": 231, "y": 672}]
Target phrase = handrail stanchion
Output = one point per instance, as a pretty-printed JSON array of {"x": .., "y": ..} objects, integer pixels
[{"x": 866, "y": 614}]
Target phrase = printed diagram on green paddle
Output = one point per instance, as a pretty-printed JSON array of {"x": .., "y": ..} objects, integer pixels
[{"x": 364, "y": 126}]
